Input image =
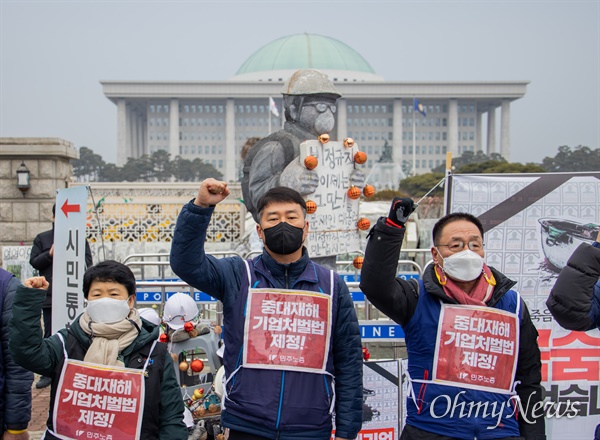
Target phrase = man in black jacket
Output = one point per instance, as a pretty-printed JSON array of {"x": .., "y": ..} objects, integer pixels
[
  {"x": 574, "y": 300},
  {"x": 42, "y": 254},
  {"x": 454, "y": 320}
]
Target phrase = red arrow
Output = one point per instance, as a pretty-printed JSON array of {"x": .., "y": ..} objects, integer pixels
[{"x": 66, "y": 208}]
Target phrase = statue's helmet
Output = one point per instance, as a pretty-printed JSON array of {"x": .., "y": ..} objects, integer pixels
[{"x": 309, "y": 82}]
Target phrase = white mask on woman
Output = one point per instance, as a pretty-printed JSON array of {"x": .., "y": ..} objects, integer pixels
[
  {"x": 107, "y": 310},
  {"x": 463, "y": 266}
]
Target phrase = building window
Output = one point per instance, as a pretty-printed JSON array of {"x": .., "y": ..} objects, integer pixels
[
  {"x": 444, "y": 124},
  {"x": 444, "y": 136}
]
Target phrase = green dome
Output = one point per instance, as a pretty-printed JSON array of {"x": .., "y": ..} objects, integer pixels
[{"x": 305, "y": 51}]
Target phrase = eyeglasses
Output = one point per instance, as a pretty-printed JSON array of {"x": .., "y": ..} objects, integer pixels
[
  {"x": 321, "y": 107},
  {"x": 457, "y": 246}
]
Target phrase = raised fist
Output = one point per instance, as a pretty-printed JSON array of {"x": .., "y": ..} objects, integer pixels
[{"x": 400, "y": 210}]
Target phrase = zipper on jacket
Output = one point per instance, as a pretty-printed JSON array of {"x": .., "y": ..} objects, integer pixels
[
  {"x": 280, "y": 402},
  {"x": 286, "y": 279}
]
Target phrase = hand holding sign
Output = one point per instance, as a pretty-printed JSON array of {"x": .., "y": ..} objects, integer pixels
[
  {"x": 297, "y": 176},
  {"x": 211, "y": 192}
]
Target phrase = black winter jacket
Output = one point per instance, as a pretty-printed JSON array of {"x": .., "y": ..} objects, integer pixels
[
  {"x": 41, "y": 259},
  {"x": 398, "y": 299},
  {"x": 162, "y": 403},
  {"x": 15, "y": 381},
  {"x": 574, "y": 300}
]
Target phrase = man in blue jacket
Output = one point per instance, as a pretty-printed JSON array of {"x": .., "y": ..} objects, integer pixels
[
  {"x": 292, "y": 344},
  {"x": 15, "y": 381}
]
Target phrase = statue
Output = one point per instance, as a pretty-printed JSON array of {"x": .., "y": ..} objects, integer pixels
[
  {"x": 310, "y": 105},
  {"x": 280, "y": 160}
]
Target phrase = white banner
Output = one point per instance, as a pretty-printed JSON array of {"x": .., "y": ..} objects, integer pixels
[
  {"x": 69, "y": 256},
  {"x": 15, "y": 259},
  {"x": 381, "y": 401},
  {"x": 333, "y": 227},
  {"x": 533, "y": 223}
]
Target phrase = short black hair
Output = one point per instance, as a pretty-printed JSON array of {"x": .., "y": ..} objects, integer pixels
[
  {"x": 54, "y": 209},
  {"x": 280, "y": 194},
  {"x": 109, "y": 271},
  {"x": 453, "y": 217}
]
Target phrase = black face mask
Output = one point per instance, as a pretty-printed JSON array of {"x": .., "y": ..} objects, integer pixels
[{"x": 283, "y": 238}]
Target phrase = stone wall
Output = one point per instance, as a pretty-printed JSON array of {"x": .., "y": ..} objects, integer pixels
[{"x": 23, "y": 216}]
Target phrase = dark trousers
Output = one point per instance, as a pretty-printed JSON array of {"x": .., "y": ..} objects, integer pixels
[
  {"x": 238, "y": 435},
  {"x": 47, "y": 314}
]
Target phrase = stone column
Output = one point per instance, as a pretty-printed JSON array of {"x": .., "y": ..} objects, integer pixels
[
  {"x": 174, "y": 128},
  {"x": 505, "y": 130},
  {"x": 342, "y": 119},
  {"x": 130, "y": 131},
  {"x": 145, "y": 134},
  {"x": 140, "y": 137},
  {"x": 121, "y": 132},
  {"x": 231, "y": 158},
  {"x": 491, "y": 130},
  {"x": 133, "y": 117},
  {"x": 397, "y": 132},
  {"x": 478, "y": 144},
  {"x": 453, "y": 127}
]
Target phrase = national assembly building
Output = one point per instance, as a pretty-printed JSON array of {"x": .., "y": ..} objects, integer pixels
[{"x": 212, "y": 120}]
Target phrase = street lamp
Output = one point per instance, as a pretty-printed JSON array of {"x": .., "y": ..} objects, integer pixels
[{"x": 23, "y": 178}]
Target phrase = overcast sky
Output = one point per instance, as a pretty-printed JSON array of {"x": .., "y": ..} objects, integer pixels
[{"x": 54, "y": 53}]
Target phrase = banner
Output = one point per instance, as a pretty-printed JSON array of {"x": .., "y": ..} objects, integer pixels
[
  {"x": 69, "y": 256},
  {"x": 15, "y": 259},
  {"x": 381, "y": 401},
  {"x": 476, "y": 347},
  {"x": 533, "y": 223},
  {"x": 333, "y": 226},
  {"x": 287, "y": 330},
  {"x": 96, "y": 401}
]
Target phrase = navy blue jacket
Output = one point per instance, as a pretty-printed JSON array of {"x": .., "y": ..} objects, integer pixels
[
  {"x": 297, "y": 393},
  {"x": 15, "y": 381},
  {"x": 574, "y": 300}
]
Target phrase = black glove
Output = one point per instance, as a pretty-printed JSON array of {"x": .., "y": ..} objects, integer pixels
[{"x": 400, "y": 210}]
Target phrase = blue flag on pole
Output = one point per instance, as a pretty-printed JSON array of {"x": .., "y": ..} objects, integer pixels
[{"x": 419, "y": 107}]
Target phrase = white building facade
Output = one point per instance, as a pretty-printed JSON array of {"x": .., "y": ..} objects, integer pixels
[{"x": 212, "y": 120}]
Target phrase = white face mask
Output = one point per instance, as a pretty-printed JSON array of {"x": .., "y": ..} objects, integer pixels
[
  {"x": 107, "y": 310},
  {"x": 463, "y": 266}
]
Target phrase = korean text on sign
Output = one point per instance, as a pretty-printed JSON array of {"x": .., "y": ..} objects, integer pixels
[
  {"x": 99, "y": 400},
  {"x": 282, "y": 324},
  {"x": 476, "y": 347}
]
